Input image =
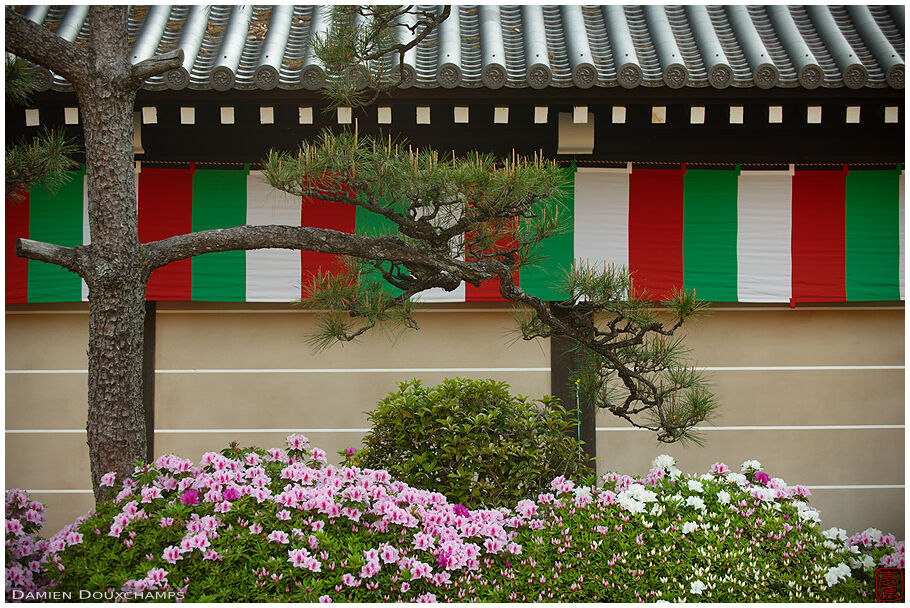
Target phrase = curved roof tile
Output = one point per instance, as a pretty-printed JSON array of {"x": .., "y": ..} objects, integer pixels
[{"x": 266, "y": 47}]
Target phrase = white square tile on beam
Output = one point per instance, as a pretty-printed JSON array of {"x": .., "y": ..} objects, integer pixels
[
  {"x": 423, "y": 115},
  {"x": 71, "y": 116},
  {"x": 501, "y": 115},
  {"x": 580, "y": 115},
  {"x": 814, "y": 115},
  {"x": 775, "y": 115},
  {"x": 736, "y": 115},
  {"x": 149, "y": 115},
  {"x": 658, "y": 115},
  {"x": 266, "y": 115},
  {"x": 891, "y": 114},
  {"x": 852, "y": 115},
  {"x": 619, "y": 115},
  {"x": 227, "y": 115},
  {"x": 187, "y": 115},
  {"x": 305, "y": 115},
  {"x": 345, "y": 115},
  {"x": 32, "y": 117},
  {"x": 384, "y": 115},
  {"x": 461, "y": 114},
  {"x": 541, "y": 115},
  {"x": 697, "y": 115}
]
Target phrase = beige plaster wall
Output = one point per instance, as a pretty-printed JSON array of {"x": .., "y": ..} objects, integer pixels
[{"x": 831, "y": 419}]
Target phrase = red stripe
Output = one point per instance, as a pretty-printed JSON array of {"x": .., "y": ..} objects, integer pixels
[
  {"x": 656, "y": 231},
  {"x": 818, "y": 239},
  {"x": 166, "y": 210},
  {"x": 488, "y": 291},
  {"x": 16, "y": 268},
  {"x": 323, "y": 214}
]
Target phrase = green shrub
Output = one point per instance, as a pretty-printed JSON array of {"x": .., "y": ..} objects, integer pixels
[{"x": 472, "y": 441}]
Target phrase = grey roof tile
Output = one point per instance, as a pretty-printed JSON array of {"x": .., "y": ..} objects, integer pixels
[{"x": 529, "y": 46}]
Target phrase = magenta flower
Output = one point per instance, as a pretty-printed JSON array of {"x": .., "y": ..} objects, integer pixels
[
  {"x": 762, "y": 477},
  {"x": 190, "y": 497},
  {"x": 461, "y": 510}
]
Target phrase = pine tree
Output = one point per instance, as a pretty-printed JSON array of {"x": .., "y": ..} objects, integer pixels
[{"x": 456, "y": 219}]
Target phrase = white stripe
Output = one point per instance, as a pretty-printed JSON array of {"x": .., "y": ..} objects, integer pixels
[
  {"x": 182, "y": 431},
  {"x": 900, "y": 224},
  {"x": 272, "y": 275},
  {"x": 763, "y": 236},
  {"x": 354, "y": 370},
  {"x": 797, "y": 368},
  {"x": 175, "y": 431},
  {"x": 823, "y": 427},
  {"x": 829, "y": 427},
  {"x": 859, "y": 487},
  {"x": 602, "y": 216},
  {"x": 58, "y": 491},
  {"x": 86, "y": 233}
]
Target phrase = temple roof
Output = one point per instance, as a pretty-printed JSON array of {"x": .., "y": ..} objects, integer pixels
[{"x": 530, "y": 46}]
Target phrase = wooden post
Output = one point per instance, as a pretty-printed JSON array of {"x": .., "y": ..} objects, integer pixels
[
  {"x": 563, "y": 361},
  {"x": 148, "y": 379}
]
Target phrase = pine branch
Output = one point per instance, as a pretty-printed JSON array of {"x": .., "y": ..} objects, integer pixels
[{"x": 45, "y": 160}]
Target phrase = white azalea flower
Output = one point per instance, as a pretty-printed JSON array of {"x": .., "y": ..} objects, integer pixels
[
  {"x": 638, "y": 492},
  {"x": 629, "y": 503},
  {"x": 689, "y": 527},
  {"x": 582, "y": 491},
  {"x": 751, "y": 464},
  {"x": 695, "y": 501},
  {"x": 835, "y": 534},
  {"x": 664, "y": 461},
  {"x": 737, "y": 478},
  {"x": 723, "y": 497},
  {"x": 696, "y": 588}
]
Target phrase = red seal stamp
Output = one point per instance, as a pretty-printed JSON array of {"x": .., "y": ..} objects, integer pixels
[{"x": 889, "y": 584}]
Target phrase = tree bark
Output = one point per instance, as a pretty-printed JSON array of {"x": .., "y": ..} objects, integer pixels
[
  {"x": 112, "y": 265},
  {"x": 116, "y": 277}
]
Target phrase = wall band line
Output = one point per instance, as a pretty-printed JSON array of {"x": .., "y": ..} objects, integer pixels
[
  {"x": 819, "y": 427},
  {"x": 825, "y": 427},
  {"x": 422, "y": 370}
]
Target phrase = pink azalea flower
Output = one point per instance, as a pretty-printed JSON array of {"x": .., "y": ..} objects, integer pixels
[
  {"x": 426, "y": 598},
  {"x": 279, "y": 536},
  {"x": 348, "y": 580},
  {"x": 107, "y": 480},
  {"x": 324, "y": 599},
  {"x": 298, "y": 442},
  {"x": 73, "y": 538},
  {"x": 171, "y": 555}
]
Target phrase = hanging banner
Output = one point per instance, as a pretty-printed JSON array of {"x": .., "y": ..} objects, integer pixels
[{"x": 731, "y": 235}]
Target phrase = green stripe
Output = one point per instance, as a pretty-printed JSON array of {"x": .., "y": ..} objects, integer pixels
[
  {"x": 369, "y": 223},
  {"x": 872, "y": 237},
  {"x": 219, "y": 201},
  {"x": 553, "y": 256},
  {"x": 709, "y": 234},
  {"x": 55, "y": 218}
]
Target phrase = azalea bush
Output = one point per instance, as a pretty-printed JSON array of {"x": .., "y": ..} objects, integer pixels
[
  {"x": 472, "y": 440},
  {"x": 283, "y": 525}
]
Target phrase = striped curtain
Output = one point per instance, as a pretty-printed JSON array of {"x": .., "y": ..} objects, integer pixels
[{"x": 732, "y": 236}]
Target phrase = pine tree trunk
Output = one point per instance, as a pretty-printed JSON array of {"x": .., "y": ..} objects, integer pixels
[{"x": 116, "y": 276}]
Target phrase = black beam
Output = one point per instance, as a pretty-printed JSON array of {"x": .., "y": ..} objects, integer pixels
[
  {"x": 563, "y": 362},
  {"x": 148, "y": 379}
]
